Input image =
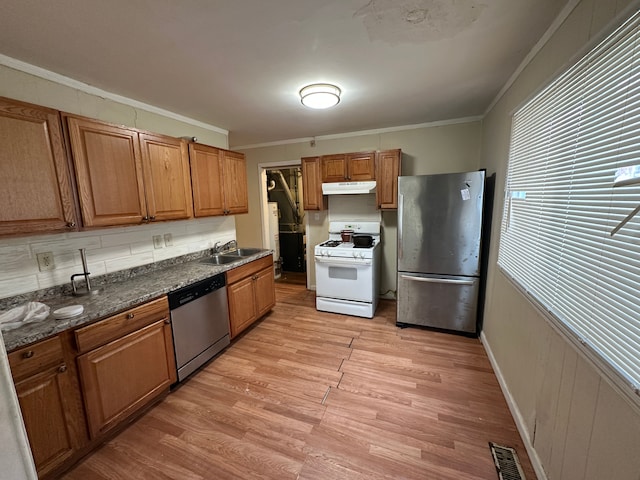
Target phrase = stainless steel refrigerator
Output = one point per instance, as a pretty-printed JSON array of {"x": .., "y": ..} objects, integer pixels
[{"x": 439, "y": 234}]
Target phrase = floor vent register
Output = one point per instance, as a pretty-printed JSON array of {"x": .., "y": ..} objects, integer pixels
[{"x": 507, "y": 463}]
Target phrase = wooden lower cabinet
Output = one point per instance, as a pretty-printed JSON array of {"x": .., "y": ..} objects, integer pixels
[
  {"x": 124, "y": 375},
  {"x": 49, "y": 397},
  {"x": 251, "y": 293}
]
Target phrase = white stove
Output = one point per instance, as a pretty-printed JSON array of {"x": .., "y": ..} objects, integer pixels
[{"x": 348, "y": 276}]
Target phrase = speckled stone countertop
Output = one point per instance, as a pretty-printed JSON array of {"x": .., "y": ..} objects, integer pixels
[{"x": 116, "y": 292}]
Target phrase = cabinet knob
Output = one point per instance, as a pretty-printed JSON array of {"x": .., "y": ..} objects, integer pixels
[
  {"x": 152, "y": 218},
  {"x": 27, "y": 354},
  {"x": 130, "y": 316},
  {"x": 62, "y": 368},
  {"x": 71, "y": 224},
  {"x": 145, "y": 219},
  {"x": 167, "y": 321}
]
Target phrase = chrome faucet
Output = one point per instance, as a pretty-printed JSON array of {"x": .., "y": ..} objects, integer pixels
[
  {"x": 229, "y": 246},
  {"x": 216, "y": 248},
  {"x": 85, "y": 274}
]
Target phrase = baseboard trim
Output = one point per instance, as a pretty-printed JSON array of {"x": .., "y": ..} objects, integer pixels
[{"x": 515, "y": 412}]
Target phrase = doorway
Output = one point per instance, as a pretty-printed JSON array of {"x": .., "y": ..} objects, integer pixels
[{"x": 286, "y": 226}]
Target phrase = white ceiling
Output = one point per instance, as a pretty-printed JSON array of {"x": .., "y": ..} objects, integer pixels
[{"x": 239, "y": 64}]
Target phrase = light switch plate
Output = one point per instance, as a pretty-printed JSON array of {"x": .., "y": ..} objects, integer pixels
[
  {"x": 45, "y": 261},
  {"x": 168, "y": 240},
  {"x": 157, "y": 241}
]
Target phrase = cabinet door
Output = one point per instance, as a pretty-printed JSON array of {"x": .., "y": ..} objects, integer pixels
[
  {"x": 312, "y": 198},
  {"x": 388, "y": 170},
  {"x": 361, "y": 166},
  {"x": 206, "y": 180},
  {"x": 121, "y": 377},
  {"x": 167, "y": 181},
  {"x": 334, "y": 168},
  {"x": 265, "y": 287},
  {"x": 234, "y": 169},
  {"x": 242, "y": 305},
  {"x": 108, "y": 172},
  {"x": 36, "y": 194},
  {"x": 44, "y": 411}
]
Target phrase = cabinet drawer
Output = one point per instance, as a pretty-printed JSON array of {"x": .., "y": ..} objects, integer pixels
[
  {"x": 118, "y": 325},
  {"x": 31, "y": 359},
  {"x": 249, "y": 269}
]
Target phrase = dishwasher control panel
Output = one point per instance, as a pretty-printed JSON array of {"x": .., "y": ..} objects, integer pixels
[{"x": 194, "y": 291}]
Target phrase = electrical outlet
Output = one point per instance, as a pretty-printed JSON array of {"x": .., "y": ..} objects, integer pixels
[
  {"x": 45, "y": 261},
  {"x": 168, "y": 240},
  {"x": 157, "y": 241}
]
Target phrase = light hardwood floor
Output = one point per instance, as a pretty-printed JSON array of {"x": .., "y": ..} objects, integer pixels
[{"x": 311, "y": 395}]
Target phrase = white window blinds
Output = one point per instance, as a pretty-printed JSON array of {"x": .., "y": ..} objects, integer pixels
[{"x": 561, "y": 205}]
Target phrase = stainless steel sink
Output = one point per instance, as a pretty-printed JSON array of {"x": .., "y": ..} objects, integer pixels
[
  {"x": 218, "y": 260},
  {"x": 244, "y": 252}
]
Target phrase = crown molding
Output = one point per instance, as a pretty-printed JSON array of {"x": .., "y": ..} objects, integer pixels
[{"x": 86, "y": 88}]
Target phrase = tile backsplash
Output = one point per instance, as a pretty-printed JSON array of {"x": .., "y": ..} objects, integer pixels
[{"x": 108, "y": 250}]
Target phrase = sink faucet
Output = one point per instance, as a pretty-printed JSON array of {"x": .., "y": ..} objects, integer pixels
[
  {"x": 229, "y": 246},
  {"x": 216, "y": 248},
  {"x": 85, "y": 274}
]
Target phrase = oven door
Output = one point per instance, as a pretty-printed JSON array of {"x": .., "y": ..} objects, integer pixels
[{"x": 344, "y": 278}]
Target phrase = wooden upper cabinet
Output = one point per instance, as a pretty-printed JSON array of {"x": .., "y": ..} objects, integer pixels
[
  {"x": 234, "y": 173},
  {"x": 219, "y": 181},
  {"x": 334, "y": 168},
  {"x": 312, "y": 198},
  {"x": 128, "y": 177},
  {"x": 108, "y": 172},
  {"x": 348, "y": 167},
  {"x": 388, "y": 168},
  {"x": 36, "y": 194},
  {"x": 361, "y": 166},
  {"x": 206, "y": 172},
  {"x": 167, "y": 179}
]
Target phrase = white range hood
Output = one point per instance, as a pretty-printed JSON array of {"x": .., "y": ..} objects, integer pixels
[{"x": 348, "y": 188}]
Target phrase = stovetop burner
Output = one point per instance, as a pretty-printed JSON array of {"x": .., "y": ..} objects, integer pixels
[{"x": 331, "y": 243}]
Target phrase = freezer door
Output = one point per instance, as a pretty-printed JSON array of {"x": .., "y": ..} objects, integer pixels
[
  {"x": 439, "y": 301},
  {"x": 440, "y": 223}
]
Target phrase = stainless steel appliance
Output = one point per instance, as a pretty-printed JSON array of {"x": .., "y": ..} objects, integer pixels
[
  {"x": 439, "y": 233},
  {"x": 347, "y": 276},
  {"x": 200, "y": 323}
]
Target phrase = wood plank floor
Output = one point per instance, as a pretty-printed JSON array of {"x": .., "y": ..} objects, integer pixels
[{"x": 311, "y": 395}]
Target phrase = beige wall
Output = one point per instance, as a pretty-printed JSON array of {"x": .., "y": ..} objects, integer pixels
[
  {"x": 426, "y": 150},
  {"x": 579, "y": 426}
]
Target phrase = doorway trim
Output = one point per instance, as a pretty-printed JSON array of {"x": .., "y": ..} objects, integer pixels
[{"x": 264, "y": 199}]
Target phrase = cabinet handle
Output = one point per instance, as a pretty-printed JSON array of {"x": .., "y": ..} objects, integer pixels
[
  {"x": 62, "y": 368},
  {"x": 71, "y": 224},
  {"x": 130, "y": 316},
  {"x": 27, "y": 354},
  {"x": 167, "y": 321},
  {"x": 152, "y": 218},
  {"x": 145, "y": 219}
]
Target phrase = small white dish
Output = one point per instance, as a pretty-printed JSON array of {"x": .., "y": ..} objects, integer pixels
[{"x": 68, "y": 312}]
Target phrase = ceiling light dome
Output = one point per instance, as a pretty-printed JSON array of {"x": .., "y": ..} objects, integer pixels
[{"x": 320, "y": 95}]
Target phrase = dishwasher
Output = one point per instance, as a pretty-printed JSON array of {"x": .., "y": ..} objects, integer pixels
[{"x": 199, "y": 322}]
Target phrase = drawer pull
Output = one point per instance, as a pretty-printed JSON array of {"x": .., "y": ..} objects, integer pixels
[
  {"x": 167, "y": 321},
  {"x": 130, "y": 316},
  {"x": 62, "y": 368},
  {"x": 28, "y": 354}
]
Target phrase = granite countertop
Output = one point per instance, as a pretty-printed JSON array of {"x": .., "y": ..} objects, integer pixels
[{"x": 116, "y": 292}]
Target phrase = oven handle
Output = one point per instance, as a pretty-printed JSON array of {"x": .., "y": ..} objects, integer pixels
[
  {"x": 437, "y": 280},
  {"x": 344, "y": 261}
]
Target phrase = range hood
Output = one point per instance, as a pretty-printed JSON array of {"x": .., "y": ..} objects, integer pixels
[{"x": 348, "y": 188}]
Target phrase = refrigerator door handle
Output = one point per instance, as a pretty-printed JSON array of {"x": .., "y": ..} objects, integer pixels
[
  {"x": 400, "y": 212},
  {"x": 437, "y": 280}
]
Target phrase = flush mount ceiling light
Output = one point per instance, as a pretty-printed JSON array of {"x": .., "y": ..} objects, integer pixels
[{"x": 320, "y": 95}]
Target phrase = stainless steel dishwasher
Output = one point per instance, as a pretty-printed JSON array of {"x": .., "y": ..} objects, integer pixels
[{"x": 200, "y": 323}]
